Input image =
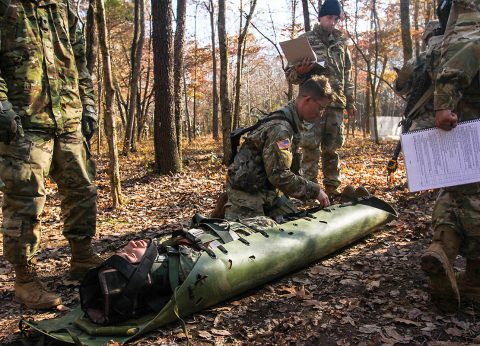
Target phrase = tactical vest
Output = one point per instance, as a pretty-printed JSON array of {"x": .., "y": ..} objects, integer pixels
[{"x": 246, "y": 171}]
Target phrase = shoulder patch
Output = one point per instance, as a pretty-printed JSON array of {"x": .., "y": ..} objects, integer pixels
[{"x": 284, "y": 144}]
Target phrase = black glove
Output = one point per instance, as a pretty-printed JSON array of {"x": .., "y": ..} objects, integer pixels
[
  {"x": 89, "y": 122},
  {"x": 10, "y": 123}
]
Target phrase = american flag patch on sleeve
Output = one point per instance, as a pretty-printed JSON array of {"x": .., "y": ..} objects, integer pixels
[{"x": 283, "y": 144}]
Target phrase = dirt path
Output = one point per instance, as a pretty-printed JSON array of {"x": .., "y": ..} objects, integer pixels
[{"x": 369, "y": 294}]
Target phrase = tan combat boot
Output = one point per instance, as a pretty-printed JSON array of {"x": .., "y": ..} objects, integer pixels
[
  {"x": 83, "y": 258},
  {"x": 31, "y": 292},
  {"x": 437, "y": 262},
  {"x": 469, "y": 282}
]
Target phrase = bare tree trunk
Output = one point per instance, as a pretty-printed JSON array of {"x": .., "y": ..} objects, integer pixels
[
  {"x": 136, "y": 63},
  {"x": 187, "y": 113},
  {"x": 91, "y": 37},
  {"x": 165, "y": 142},
  {"x": 306, "y": 15},
  {"x": 179, "y": 49},
  {"x": 211, "y": 10},
  {"x": 240, "y": 49},
  {"x": 195, "y": 60},
  {"x": 99, "y": 102},
  {"x": 319, "y": 6},
  {"x": 366, "y": 123},
  {"x": 415, "y": 25},
  {"x": 147, "y": 94},
  {"x": 405, "y": 25},
  {"x": 109, "y": 117},
  {"x": 224, "y": 94},
  {"x": 293, "y": 4},
  {"x": 374, "y": 79}
]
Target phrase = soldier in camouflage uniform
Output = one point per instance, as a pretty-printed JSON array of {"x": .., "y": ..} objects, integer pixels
[
  {"x": 47, "y": 117},
  {"x": 456, "y": 216},
  {"x": 325, "y": 136},
  {"x": 261, "y": 170}
]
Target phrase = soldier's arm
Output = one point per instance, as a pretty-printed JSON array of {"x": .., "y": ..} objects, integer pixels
[
  {"x": 293, "y": 76},
  {"x": 77, "y": 40},
  {"x": 348, "y": 82},
  {"x": 277, "y": 157},
  {"x": 458, "y": 68}
]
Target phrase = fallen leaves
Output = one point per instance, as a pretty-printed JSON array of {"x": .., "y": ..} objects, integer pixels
[{"x": 369, "y": 294}]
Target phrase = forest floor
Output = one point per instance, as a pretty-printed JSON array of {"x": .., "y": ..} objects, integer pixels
[{"x": 371, "y": 293}]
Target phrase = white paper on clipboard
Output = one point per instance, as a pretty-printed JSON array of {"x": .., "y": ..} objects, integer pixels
[{"x": 435, "y": 158}]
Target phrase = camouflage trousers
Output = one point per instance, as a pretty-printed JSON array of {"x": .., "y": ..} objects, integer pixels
[
  {"x": 459, "y": 211},
  {"x": 322, "y": 139},
  {"x": 24, "y": 165},
  {"x": 242, "y": 205}
]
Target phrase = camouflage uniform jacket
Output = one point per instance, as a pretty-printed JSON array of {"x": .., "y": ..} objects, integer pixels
[
  {"x": 43, "y": 69},
  {"x": 338, "y": 66},
  {"x": 265, "y": 158},
  {"x": 457, "y": 85}
]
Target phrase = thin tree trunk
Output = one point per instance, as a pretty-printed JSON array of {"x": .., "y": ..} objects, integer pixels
[
  {"x": 292, "y": 36},
  {"x": 195, "y": 60},
  {"x": 415, "y": 25},
  {"x": 306, "y": 15},
  {"x": 99, "y": 103},
  {"x": 109, "y": 118},
  {"x": 179, "y": 49},
  {"x": 240, "y": 55},
  {"x": 187, "y": 113},
  {"x": 91, "y": 37},
  {"x": 211, "y": 10},
  {"x": 224, "y": 94},
  {"x": 405, "y": 26},
  {"x": 146, "y": 99},
  {"x": 165, "y": 142},
  {"x": 136, "y": 63}
]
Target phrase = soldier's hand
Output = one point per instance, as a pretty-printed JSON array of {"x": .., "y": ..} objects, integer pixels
[
  {"x": 10, "y": 123},
  {"x": 305, "y": 66},
  {"x": 323, "y": 198},
  {"x": 445, "y": 119},
  {"x": 89, "y": 122}
]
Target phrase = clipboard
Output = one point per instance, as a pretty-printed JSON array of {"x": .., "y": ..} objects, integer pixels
[{"x": 298, "y": 49}]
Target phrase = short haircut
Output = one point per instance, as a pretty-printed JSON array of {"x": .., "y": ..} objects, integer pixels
[{"x": 316, "y": 87}]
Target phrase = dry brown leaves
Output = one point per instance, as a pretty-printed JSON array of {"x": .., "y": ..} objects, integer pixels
[{"x": 372, "y": 293}]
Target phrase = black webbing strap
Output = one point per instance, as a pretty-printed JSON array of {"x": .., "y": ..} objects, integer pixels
[
  {"x": 137, "y": 280},
  {"x": 121, "y": 264},
  {"x": 261, "y": 231},
  {"x": 195, "y": 241},
  {"x": 214, "y": 224}
]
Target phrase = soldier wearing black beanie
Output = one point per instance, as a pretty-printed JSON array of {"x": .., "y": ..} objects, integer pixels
[
  {"x": 321, "y": 141},
  {"x": 330, "y": 8}
]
